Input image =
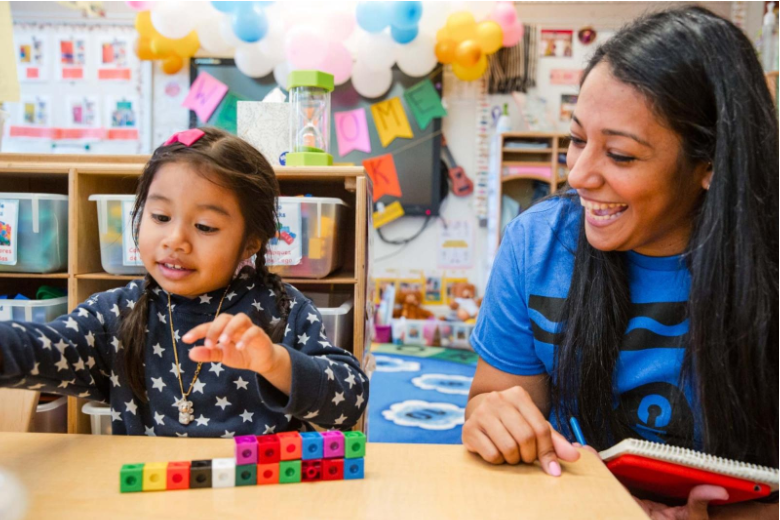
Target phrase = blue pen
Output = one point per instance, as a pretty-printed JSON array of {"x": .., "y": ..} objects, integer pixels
[{"x": 575, "y": 426}]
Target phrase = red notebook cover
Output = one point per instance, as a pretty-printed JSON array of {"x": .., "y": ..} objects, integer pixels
[{"x": 676, "y": 480}]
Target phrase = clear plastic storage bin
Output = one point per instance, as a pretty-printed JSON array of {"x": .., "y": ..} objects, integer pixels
[
  {"x": 33, "y": 232},
  {"x": 51, "y": 417},
  {"x": 118, "y": 253},
  {"x": 39, "y": 311},
  {"x": 99, "y": 417},
  {"x": 337, "y": 316},
  {"x": 308, "y": 239}
]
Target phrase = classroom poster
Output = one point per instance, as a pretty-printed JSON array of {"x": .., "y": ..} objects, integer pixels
[
  {"x": 456, "y": 240},
  {"x": 31, "y": 57},
  {"x": 285, "y": 248},
  {"x": 568, "y": 102},
  {"x": 121, "y": 117},
  {"x": 556, "y": 43},
  {"x": 32, "y": 118},
  {"x": 72, "y": 57},
  {"x": 82, "y": 114},
  {"x": 114, "y": 55}
]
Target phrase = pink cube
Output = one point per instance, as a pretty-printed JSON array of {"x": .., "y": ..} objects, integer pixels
[
  {"x": 332, "y": 445},
  {"x": 246, "y": 449}
]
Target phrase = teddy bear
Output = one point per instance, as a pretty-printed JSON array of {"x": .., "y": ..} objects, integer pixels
[
  {"x": 463, "y": 306},
  {"x": 408, "y": 306}
]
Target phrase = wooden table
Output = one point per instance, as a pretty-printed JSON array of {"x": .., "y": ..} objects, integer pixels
[{"x": 71, "y": 476}]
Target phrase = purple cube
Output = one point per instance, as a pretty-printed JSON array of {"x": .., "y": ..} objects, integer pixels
[
  {"x": 333, "y": 444},
  {"x": 246, "y": 449}
]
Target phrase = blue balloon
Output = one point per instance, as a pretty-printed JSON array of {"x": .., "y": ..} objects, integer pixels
[
  {"x": 403, "y": 36},
  {"x": 249, "y": 25},
  {"x": 226, "y": 7},
  {"x": 372, "y": 16},
  {"x": 405, "y": 15}
]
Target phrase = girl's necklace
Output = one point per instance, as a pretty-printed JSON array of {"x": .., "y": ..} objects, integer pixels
[{"x": 186, "y": 410}]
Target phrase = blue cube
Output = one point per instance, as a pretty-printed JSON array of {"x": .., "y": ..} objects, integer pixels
[
  {"x": 353, "y": 469},
  {"x": 311, "y": 445}
]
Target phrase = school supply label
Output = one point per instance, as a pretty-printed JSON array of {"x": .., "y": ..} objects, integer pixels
[
  {"x": 285, "y": 248},
  {"x": 130, "y": 254},
  {"x": 9, "y": 218}
]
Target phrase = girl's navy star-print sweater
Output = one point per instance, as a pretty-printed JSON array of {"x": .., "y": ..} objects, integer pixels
[{"x": 80, "y": 354}]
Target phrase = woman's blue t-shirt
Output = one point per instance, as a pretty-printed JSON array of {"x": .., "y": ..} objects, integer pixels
[{"x": 517, "y": 331}]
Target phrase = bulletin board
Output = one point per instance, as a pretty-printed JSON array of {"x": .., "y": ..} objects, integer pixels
[{"x": 81, "y": 91}]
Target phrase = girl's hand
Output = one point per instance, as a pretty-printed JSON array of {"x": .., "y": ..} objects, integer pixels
[
  {"x": 507, "y": 427},
  {"x": 234, "y": 341}
]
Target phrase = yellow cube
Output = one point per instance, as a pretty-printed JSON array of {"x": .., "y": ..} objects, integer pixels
[
  {"x": 155, "y": 476},
  {"x": 316, "y": 248}
]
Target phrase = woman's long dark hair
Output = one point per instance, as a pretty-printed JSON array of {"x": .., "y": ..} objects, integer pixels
[
  {"x": 232, "y": 163},
  {"x": 700, "y": 75}
]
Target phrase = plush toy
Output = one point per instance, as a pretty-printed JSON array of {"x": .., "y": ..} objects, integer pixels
[
  {"x": 464, "y": 307},
  {"x": 408, "y": 306}
]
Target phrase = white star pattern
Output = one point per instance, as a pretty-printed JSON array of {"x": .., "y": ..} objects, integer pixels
[
  {"x": 246, "y": 416},
  {"x": 159, "y": 418},
  {"x": 83, "y": 313},
  {"x": 173, "y": 369},
  {"x": 325, "y": 344},
  {"x": 61, "y": 346},
  {"x": 100, "y": 318},
  {"x": 216, "y": 368},
  {"x": 161, "y": 317},
  {"x": 222, "y": 402},
  {"x": 205, "y": 298},
  {"x": 36, "y": 387},
  {"x": 272, "y": 294},
  {"x": 202, "y": 421},
  {"x": 312, "y": 318},
  {"x": 114, "y": 378},
  {"x": 311, "y": 415},
  {"x": 329, "y": 372},
  {"x": 158, "y": 350},
  {"x": 18, "y": 326},
  {"x": 250, "y": 287},
  {"x": 90, "y": 339},
  {"x": 116, "y": 344},
  {"x": 287, "y": 329},
  {"x": 256, "y": 305},
  {"x": 62, "y": 364},
  {"x": 269, "y": 429},
  {"x": 350, "y": 380},
  {"x": 90, "y": 361},
  {"x": 339, "y": 397},
  {"x": 181, "y": 434},
  {"x": 84, "y": 394},
  {"x": 149, "y": 430},
  {"x": 34, "y": 371},
  {"x": 230, "y": 295},
  {"x": 71, "y": 324},
  {"x": 158, "y": 384},
  {"x": 176, "y": 335},
  {"x": 303, "y": 339},
  {"x": 115, "y": 310},
  {"x": 275, "y": 320},
  {"x": 292, "y": 303},
  {"x": 228, "y": 435},
  {"x": 240, "y": 383},
  {"x": 78, "y": 365},
  {"x": 130, "y": 304},
  {"x": 359, "y": 401},
  {"x": 340, "y": 419},
  {"x": 115, "y": 416},
  {"x": 198, "y": 387},
  {"x": 65, "y": 384},
  {"x": 45, "y": 341},
  {"x": 131, "y": 406}
]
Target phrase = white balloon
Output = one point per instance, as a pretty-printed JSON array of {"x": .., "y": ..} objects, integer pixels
[
  {"x": 251, "y": 61},
  {"x": 281, "y": 71},
  {"x": 210, "y": 37},
  {"x": 434, "y": 17},
  {"x": 371, "y": 83},
  {"x": 377, "y": 51},
  {"x": 226, "y": 30},
  {"x": 273, "y": 43},
  {"x": 173, "y": 19},
  {"x": 418, "y": 57},
  {"x": 481, "y": 10},
  {"x": 338, "y": 25}
]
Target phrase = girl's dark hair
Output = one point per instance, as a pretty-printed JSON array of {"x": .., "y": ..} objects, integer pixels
[
  {"x": 700, "y": 76},
  {"x": 232, "y": 163}
]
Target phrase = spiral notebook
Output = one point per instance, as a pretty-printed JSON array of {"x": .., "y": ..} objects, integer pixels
[{"x": 672, "y": 471}]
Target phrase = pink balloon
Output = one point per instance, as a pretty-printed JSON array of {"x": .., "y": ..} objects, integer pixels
[
  {"x": 338, "y": 62},
  {"x": 305, "y": 49},
  {"x": 513, "y": 34},
  {"x": 504, "y": 13},
  {"x": 140, "y": 6}
]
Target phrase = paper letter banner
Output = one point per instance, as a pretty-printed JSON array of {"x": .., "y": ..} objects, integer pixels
[
  {"x": 352, "y": 131},
  {"x": 205, "y": 94},
  {"x": 226, "y": 114},
  {"x": 383, "y": 175},
  {"x": 424, "y": 102},
  {"x": 390, "y": 120}
]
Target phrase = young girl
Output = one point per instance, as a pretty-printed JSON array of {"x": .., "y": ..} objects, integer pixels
[
  {"x": 206, "y": 202},
  {"x": 644, "y": 300}
]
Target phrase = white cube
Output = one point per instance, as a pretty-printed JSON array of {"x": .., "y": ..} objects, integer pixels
[{"x": 223, "y": 473}]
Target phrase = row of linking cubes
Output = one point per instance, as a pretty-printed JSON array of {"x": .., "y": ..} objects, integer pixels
[{"x": 281, "y": 458}]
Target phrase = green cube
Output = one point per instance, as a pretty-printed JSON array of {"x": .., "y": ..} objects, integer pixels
[
  {"x": 131, "y": 478},
  {"x": 246, "y": 475},
  {"x": 354, "y": 445},
  {"x": 289, "y": 471}
]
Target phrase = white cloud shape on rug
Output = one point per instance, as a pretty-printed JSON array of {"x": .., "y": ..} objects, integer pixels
[
  {"x": 444, "y": 383},
  {"x": 425, "y": 415},
  {"x": 391, "y": 364}
]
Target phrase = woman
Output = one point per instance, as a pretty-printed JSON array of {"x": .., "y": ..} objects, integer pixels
[{"x": 643, "y": 300}]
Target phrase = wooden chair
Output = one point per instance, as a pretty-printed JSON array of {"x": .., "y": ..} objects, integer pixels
[{"x": 16, "y": 409}]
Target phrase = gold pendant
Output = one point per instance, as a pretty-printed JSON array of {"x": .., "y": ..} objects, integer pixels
[{"x": 186, "y": 411}]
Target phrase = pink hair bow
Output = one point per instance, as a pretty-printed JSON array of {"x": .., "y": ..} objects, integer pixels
[{"x": 185, "y": 137}]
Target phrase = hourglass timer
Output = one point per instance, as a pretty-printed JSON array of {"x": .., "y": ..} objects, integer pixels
[{"x": 309, "y": 118}]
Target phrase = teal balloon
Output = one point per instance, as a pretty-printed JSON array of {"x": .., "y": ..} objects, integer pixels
[
  {"x": 403, "y": 36},
  {"x": 249, "y": 25},
  {"x": 372, "y": 16},
  {"x": 226, "y": 7},
  {"x": 405, "y": 15}
]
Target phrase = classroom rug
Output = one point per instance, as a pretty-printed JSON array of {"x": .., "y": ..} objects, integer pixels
[{"x": 418, "y": 394}]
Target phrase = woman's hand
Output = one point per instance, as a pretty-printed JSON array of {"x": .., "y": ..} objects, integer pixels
[
  {"x": 234, "y": 341},
  {"x": 507, "y": 426}
]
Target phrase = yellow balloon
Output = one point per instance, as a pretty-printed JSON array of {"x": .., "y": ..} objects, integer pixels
[
  {"x": 161, "y": 47},
  {"x": 142, "y": 49},
  {"x": 443, "y": 34},
  {"x": 468, "y": 53},
  {"x": 461, "y": 26},
  {"x": 445, "y": 50},
  {"x": 187, "y": 46},
  {"x": 470, "y": 73},
  {"x": 143, "y": 24},
  {"x": 490, "y": 36},
  {"x": 172, "y": 64}
]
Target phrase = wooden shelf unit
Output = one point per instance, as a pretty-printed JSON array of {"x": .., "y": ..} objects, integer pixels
[
  {"x": 80, "y": 176},
  {"x": 521, "y": 166}
]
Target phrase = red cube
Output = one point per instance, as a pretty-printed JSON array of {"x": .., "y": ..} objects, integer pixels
[
  {"x": 178, "y": 476},
  {"x": 268, "y": 449},
  {"x": 332, "y": 469},
  {"x": 311, "y": 470}
]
